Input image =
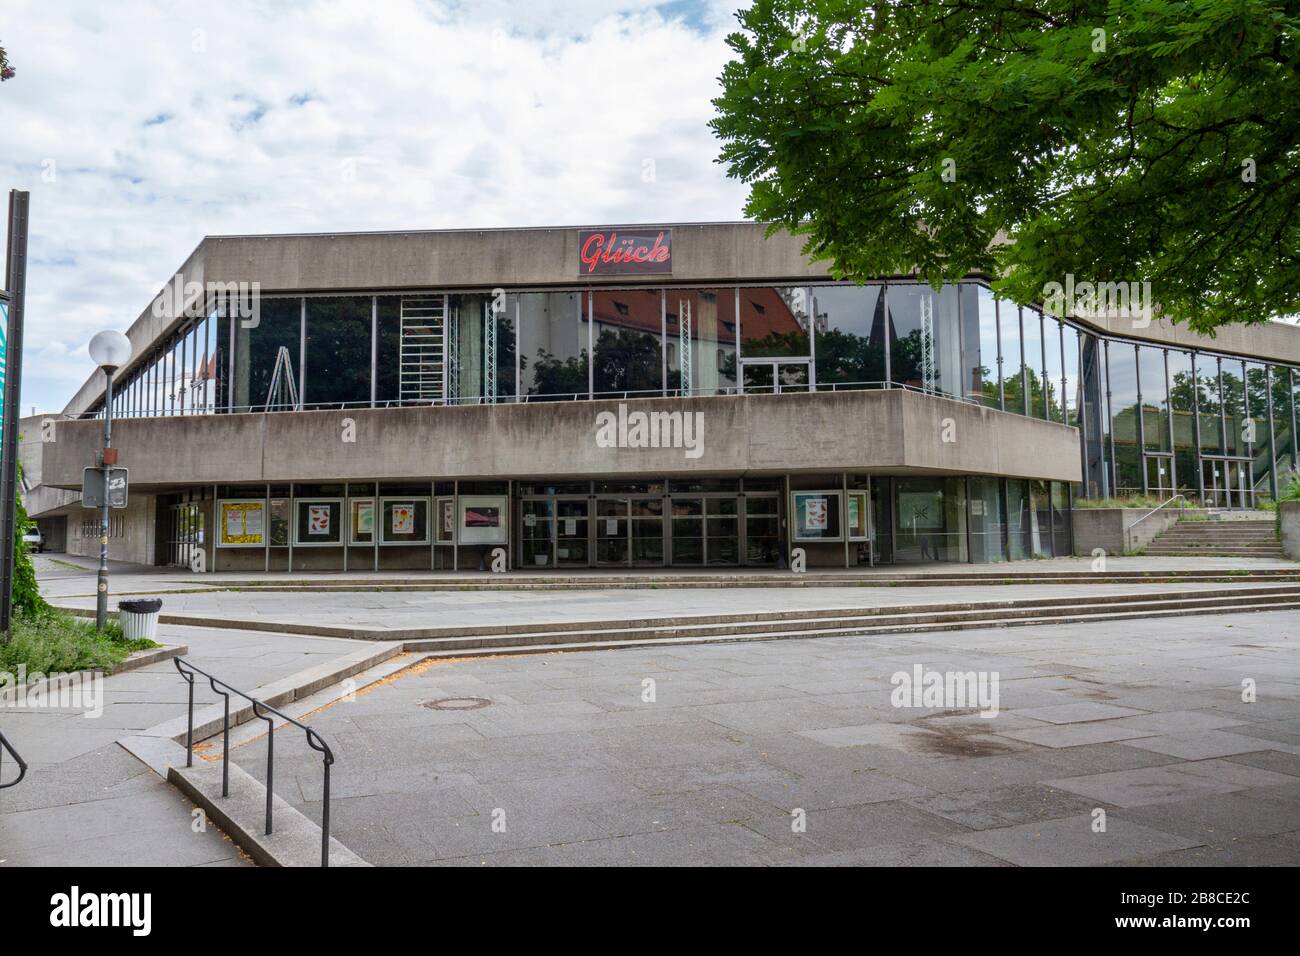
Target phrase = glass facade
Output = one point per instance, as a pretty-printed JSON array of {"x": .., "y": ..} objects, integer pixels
[{"x": 1153, "y": 420}]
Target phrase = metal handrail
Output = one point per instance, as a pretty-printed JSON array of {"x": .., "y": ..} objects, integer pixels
[
  {"x": 22, "y": 764},
  {"x": 1128, "y": 532},
  {"x": 314, "y": 740}
]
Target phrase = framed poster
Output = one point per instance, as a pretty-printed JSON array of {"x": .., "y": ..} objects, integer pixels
[
  {"x": 361, "y": 520},
  {"x": 483, "y": 519},
  {"x": 446, "y": 524},
  {"x": 318, "y": 523},
  {"x": 815, "y": 515},
  {"x": 859, "y": 529},
  {"x": 404, "y": 520},
  {"x": 241, "y": 524}
]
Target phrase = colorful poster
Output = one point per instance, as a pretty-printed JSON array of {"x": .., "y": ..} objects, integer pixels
[
  {"x": 318, "y": 519},
  {"x": 365, "y": 517},
  {"x": 241, "y": 523},
  {"x": 403, "y": 519},
  {"x": 817, "y": 514}
]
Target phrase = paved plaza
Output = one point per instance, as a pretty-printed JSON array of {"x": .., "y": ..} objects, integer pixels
[
  {"x": 1124, "y": 743},
  {"x": 568, "y": 762}
]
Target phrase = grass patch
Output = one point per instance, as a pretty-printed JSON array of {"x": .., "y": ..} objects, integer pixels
[
  {"x": 56, "y": 641},
  {"x": 1133, "y": 501}
]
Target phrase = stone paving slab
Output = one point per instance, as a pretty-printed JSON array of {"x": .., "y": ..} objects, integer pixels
[{"x": 582, "y": 768}]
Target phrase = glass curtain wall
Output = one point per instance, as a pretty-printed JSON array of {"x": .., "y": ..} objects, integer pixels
[
  {"x": 337, "y": 372},
  {"x": 629, "y": 334},
  {"x": 850, "y": 324},
  {"x": 925, "y": 338}
]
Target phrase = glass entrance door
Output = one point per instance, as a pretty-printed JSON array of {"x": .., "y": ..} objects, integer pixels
[
  {"x": 572, "y": 547},
  {"x": 1227, "y": 483},
  {"x": 687, "y": 530},
  {"x": 537, "y": 533},
  {"x": 1160, "y": 475},
  {"x": 613, "y": 532},
  {"x": 647, "y": 523}
]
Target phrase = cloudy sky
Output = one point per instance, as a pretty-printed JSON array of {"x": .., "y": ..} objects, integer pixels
[{"x": 140, "y": 127}]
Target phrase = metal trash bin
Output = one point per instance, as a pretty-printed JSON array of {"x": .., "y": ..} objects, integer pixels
[{"x": 139, "y": 618}]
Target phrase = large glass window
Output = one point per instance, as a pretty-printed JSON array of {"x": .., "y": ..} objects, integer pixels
[
  {"x": 480, "y": 343},
  {"x": 987, "y": 521},
  {"x": 1232, "y": 379},
  {"x": 1031, "y": 324},
  {"x": 979, "y": 344},
  {"x": 1013, "y": 377},
  {"x": 1122, "y": 363},
  {"x": 629, "y": 335},
  {"x": 1257, "y": 438},
  {"x": 931, "y": 519},
  {"x": 1182, "y": 388},
  {"x": 1070, "y": 352},
  {"x": 850, "y": 322},
  {"x": 388, "y": 355},
  {"x": 1210, "y": 404},
  {"x": 1054, "y": 370},
  {"x": 702, "y": 336},
  {"x": 553, "y": 343},
  {"x": 257, "y": 350},
  {"x": 924, "y": 340},
  {"x": 1155, "y": 399},
  {"x": 338, "y": 352}
]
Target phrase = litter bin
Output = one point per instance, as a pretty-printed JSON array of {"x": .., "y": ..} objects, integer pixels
[{"x": 139, "y": 618}]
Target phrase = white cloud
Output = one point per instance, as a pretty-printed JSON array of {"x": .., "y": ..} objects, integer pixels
[{"x": 165, "y": 122}]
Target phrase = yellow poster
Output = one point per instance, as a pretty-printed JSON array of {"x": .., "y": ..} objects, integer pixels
[{"x": 241, "y": 523}]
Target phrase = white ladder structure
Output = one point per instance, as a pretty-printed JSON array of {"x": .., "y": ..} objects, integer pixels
[{"x": 422, "y": 353}]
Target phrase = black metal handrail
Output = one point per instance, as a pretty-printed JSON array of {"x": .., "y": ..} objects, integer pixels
[
  {"x": 22, "y": 764},
  {"x": 314, "y": 740}
]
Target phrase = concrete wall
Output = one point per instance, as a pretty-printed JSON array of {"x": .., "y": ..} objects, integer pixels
[
  {"x": 134, "y": 534},
  {"x": 892, "y": 431},
  {"x": 1105, "y": 528},
  {"x": 1289, "y": 512}
]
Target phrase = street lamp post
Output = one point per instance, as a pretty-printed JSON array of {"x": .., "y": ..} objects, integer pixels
[{"x": 110, "y": 351}]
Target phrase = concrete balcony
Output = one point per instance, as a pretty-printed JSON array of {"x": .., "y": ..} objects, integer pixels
[{"x": 892, "y": 431}]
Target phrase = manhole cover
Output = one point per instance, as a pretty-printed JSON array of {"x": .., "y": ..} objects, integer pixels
[{"x": 456, "y": 703}]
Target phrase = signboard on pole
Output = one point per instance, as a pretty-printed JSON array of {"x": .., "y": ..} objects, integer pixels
[
  {"x": 92, "y": 487},
  {"x": 12, "y": 364}
]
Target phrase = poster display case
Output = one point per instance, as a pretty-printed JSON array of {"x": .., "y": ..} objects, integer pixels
[
  {"x": 815, "y": 515},
  {"x": 404, "y": 521},
  {"x": 241, "y": 524},
  {"x": 318, "y": 522}
]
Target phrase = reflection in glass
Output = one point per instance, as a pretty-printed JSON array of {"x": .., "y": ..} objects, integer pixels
[
  {"x": 924, "y": 341},
  {"x": 850, "y": 323}
]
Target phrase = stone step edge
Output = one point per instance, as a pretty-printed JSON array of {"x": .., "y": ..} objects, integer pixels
[
  {"x": 414, "y": 634},
  {"x": 295, "y": 839},
  {"x": 832, "y": 626},
  {"x": 468, "y": 653}
]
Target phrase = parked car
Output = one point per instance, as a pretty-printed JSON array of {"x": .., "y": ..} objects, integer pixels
[{"x": 34, "y": 540}]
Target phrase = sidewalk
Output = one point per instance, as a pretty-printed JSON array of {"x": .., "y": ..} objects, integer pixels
[{"x": 87, "y": 802}]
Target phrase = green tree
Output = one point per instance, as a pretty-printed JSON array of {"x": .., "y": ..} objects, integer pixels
[
  {"x": 6, "y": 71},
  {"x": 1115, "y": 140}
]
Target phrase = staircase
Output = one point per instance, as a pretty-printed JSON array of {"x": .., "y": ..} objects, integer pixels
[
  {"x": 841, "y": 622},
  {"x": 1229, "y": 538}
]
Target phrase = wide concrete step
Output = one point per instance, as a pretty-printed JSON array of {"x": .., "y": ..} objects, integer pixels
[
  {"x": 1128, "y": 614},
  {"x": 535, "y": 581},
  {"x": 831, "y": 623}
]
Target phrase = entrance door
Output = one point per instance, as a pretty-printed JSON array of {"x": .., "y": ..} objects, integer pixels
[
  {"x": 647, "y": 523},
  {"x": 687, "y": 530},
  {"x": 613, "y": 532},
  {"x": 1227, "y": 483},
  {"x": 762, "y": 529},
  {"x": 1160, "y": 475},
  {"x": 572, "y": 548},
  {"x": 537, "y": 533}
]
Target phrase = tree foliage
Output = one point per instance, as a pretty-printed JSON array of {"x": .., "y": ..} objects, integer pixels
[{"x": 1120, "y": 141}]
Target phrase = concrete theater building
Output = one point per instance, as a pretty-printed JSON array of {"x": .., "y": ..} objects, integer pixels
[{"x": 685, "y": 395}]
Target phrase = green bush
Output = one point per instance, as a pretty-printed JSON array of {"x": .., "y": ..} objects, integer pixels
[
  {"x": 52, "y": 641},
  {"x": 27, "y": 593}
]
